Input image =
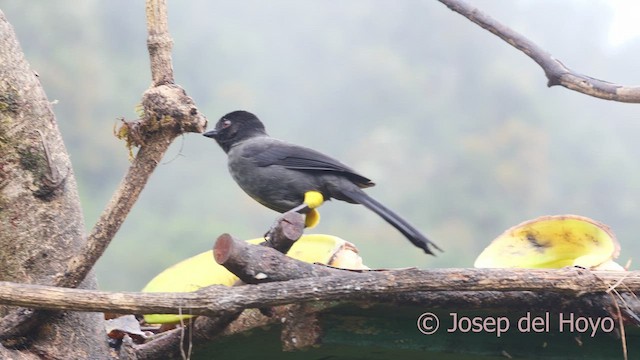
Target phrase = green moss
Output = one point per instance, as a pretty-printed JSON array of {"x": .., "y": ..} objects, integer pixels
[
  {"x": 9, "y": 102},
  {"x": 32, "y": 161},
  {"x": 9, "y": 108},
  {"x": 139, "y": 110},
  {"x": 124, "y": 133}
]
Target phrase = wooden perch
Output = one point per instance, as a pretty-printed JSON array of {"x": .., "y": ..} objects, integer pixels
[
  {"x": 341, "y": 286},
  {"x": 575, "y": 289},
  {"x": 285, "y": 232},
  {"x": 420, "y": 285},
  {"x": 258, "y": 264},
  {"x": 556, "y": 72}
]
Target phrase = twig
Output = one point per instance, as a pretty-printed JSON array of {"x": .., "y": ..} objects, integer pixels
[
  {"x": 616, "y": 284},
  {"x": 623, "y": 336},
  {"x": 185, "y": 355},
  {"x": 555, "y": 71}
]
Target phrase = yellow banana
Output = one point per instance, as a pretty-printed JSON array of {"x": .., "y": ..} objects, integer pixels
[
  {"x": 553, "y": 242},
  {"x": 201, "y": 270}
]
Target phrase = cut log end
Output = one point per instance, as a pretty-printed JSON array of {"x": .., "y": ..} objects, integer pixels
[
  {"x": 222, "y": 248},
  {"x": 285, "y": 232}
]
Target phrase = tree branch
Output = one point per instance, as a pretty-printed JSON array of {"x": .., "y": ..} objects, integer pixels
[
  {"x": 352, "y": 287},
  {"x": 168, "y": 113},
  {"x": 555, "y": 71},
  {"x": 159, "y": 42},
  {"x": 255, "y": 265}
]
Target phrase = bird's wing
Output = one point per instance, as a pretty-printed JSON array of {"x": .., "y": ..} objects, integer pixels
[{"x": 304, "y": 159}]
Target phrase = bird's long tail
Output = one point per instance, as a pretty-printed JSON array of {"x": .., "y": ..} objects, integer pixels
[{"x": 392, "y": 218}]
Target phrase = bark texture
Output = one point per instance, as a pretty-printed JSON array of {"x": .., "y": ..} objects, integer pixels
[{"x": 41, "y": 223}]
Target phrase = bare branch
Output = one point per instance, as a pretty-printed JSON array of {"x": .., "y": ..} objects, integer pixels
[
  {"x": 258, "y": 264},
  {"x": 354, "y": 286},
  {"x": 115, "y": 213},
  {"x": 555, "y": 71},
  {"x": 159, "y": 42},
  {"x": 168, "y": 113}
]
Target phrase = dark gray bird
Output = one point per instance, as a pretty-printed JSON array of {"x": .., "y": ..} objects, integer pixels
[{"x": 286, "y": 177}]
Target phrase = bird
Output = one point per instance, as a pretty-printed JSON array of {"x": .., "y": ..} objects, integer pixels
[{"x": 286, "y": 177}]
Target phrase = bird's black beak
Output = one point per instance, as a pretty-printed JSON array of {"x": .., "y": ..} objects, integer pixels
[{"x": 211, "y": 133}]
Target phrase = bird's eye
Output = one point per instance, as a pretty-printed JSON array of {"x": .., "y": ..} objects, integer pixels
[{"x": 226, "y": 123}]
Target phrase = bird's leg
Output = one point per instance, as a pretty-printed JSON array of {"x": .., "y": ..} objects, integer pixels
[{"x": 312, "y": 199}]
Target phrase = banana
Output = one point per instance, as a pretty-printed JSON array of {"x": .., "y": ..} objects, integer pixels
[
  {"x": 201, "y": 270},
  {"x": 553, "y": 242}
]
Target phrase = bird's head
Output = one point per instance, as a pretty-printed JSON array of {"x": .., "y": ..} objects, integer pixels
[{"x": 235, "y": 127}]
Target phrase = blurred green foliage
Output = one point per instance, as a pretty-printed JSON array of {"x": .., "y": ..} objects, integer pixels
[{"x": 458, "y": 129}]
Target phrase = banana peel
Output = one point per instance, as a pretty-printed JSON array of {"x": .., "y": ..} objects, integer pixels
[
  {"x": 201, "y": 270},
  {"x": 553, "y": 242}
]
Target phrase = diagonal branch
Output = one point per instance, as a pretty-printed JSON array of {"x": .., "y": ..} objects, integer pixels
[
  {"x": 555, "y": 71},
  {"x": 113, "y": 216}
]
